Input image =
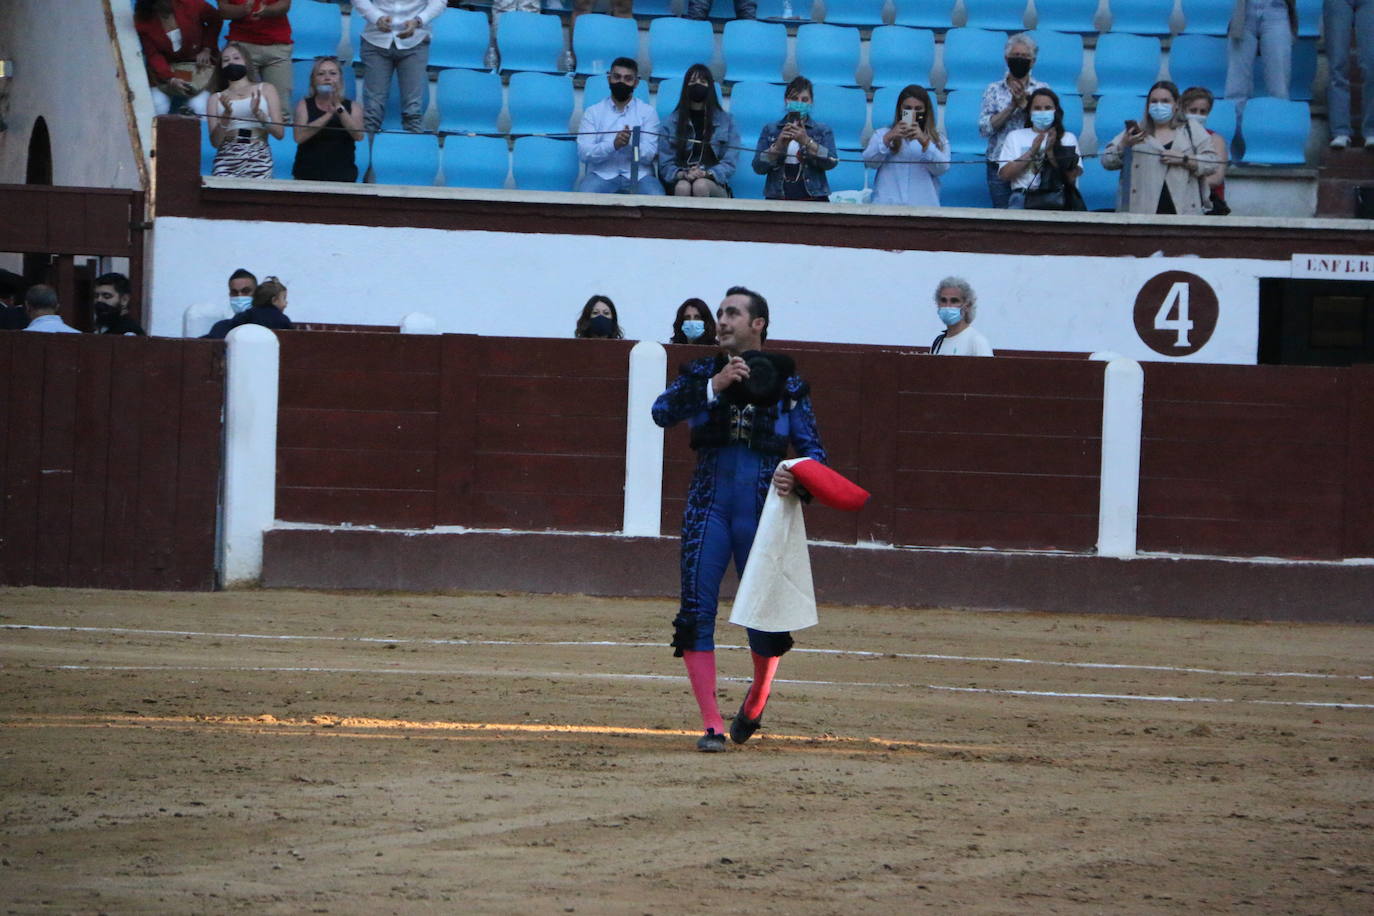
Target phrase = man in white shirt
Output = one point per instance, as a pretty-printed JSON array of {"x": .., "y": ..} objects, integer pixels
[
  {"x": 956, "y": 305},
  {"x": 605, "y": 138},
  {"x": 41, "y": 301},
  {"x": 396, "y": 40}
]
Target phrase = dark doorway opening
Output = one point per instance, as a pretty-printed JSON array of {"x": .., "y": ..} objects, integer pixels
[{"x": 1316, "y": 322}]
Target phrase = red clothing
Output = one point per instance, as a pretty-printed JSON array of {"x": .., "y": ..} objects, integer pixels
[
  {"x": 199, "y": 23},
  {"x": 270, "y": 30}
]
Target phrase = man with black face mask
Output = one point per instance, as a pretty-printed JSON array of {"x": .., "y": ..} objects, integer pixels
[
  {"x": 745, "y": 408},
  {"x": 110, "y": 301},
  {"x": 1006, "y": 107},
  {"x": 606, "y": 141}
]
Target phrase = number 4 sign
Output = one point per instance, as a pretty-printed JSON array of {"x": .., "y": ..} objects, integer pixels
[{"x": 1176, "y": 313}]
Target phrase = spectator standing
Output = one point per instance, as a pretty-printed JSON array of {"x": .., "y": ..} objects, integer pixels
[
  {"x": 1165, "y": 163},
  {"x": 1265, "y": 29},
  {"x": 41, "y": 302},
  {"x": 179, "y": 39},
  {"x": 1042, "y": 156},
  {"x": 110, "y": 302},
  {"x": 694, "y": 324},
  {"x": 1340, "y": 20},
  {"x": 796, "y": 152},
  {"x": 701, "y": 144},
  {"x": 240, "y": 119},
  {"x": 263, "y": 30},
  {"x": 1197, "y": 105},
  {"x": 396, "y": 41},
  {"x": 327, "y": 127},
  {"x": 242, "y": 285},
  {"x": 910, "y": 155},
  {"x": 1006, "y": 107},
  {"x": 13, "y": 315},
  {"x": 701, "y": 9},
  {"x": 599, "y": 319},
  {"x": 957, "y": 306},
  {"x": 605, "y": 138}
]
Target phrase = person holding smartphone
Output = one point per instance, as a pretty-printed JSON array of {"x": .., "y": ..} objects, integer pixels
[
  {"x": 1165, "y": 163},
  {"x": 796, "y": 151},
  {"x": 328, "y": 126},
  {"x": 911, "y": 155}
]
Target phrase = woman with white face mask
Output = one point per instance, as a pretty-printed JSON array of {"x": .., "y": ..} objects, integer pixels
[
  {"x": 1163, "y": 160},
  {"x": 694, "y": 324},
  {"x": 1042, "y": 156},
  {"x": 956, "y": 305}
]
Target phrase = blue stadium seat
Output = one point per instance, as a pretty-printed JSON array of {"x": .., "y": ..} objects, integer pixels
[
  {"x": 597, "y": 88},
  {"x": 773, "y": 9},
  {"x": 1142, "y": 17},
  {"x": 1059, "y": 60},
  {"x": 405, "y": 159},
  {"x": 539, "y": 103},
  {"x": 1207, "y": 17},
  {"x": 1304, "y": 70},
  {"x": 1275, "y": 131},
  {"x": 300, "y": 81},
  {"x": 848, "y": 175},
  {"x": 746, "y": 184},
  {"x": 965, "y": 184},
  {"x": 476, "y": 162},
  {"x": 643, "y": 9},
  {"x": 529, "y": 41},
  {"x": 460, "y": 39},
  {"x": 1223, "y": 119},
  {"x": 973, "y": 58},
  {"x": 1309, "y": 18},
  {"x": 754, "y": 51},
  {"x": 1003, "y": 15},
  {"x": 669, "y": 93},
  {"x": 901, "y": 56},
  {"x": 845, "y": 111},
  {"x": 1098, "y": 185},
  {"x": 469, "y": 101},
  {"x": 1066, "y": 15},
  {"x": 752, "y": 105},
  {"x": 675, "y": 44},
  {"x": 1113, "y": 111},
  {"x": 316, "y": 29},
  {"x": 1126, "y": 63},
  {"x": 924, "y": 14},
  {"x": 283, "y": 154},
  {"x": 828, "y": 54},
  {"x": 851, "y": 12},
  {"x": 545, "y": 164},
  {"x": 961, "y": 123},
  {"x": 603, "y": 38},
  {"x": 391, "y": 120},
  {"x": 1073, "y": 114},
  {"x": 1198, "y": 60}
]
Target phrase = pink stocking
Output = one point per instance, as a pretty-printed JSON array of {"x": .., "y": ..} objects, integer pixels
[
  {"x": 701, "y": 672},
  {"x": 764, "y": 669}
]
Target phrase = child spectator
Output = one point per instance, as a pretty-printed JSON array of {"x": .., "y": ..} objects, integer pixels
[
  {"x": 241, "y": 117},
  {"x": 396, "y": 41},
  {"x": 178, "y": 38},
  {"x": 261, "y": 28},
  {"x": 327, "y": 127},
  {"x": 796, "y": 152},
  {"x": 699, "y": 140}
]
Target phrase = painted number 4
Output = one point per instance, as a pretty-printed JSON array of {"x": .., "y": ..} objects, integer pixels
[{"x": 1176, "y": 302}]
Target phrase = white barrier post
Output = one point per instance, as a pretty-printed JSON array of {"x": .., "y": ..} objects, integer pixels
[
  {"x": 200, "y": 318},
  {"x": 250, "y": 451},
  {"x": 419, "y": 323},
  {"x": 1123, "y": 392},
  {"x": 644, "y": 442}
]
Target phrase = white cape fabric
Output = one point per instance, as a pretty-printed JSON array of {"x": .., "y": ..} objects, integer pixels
[{"x": 775, "y": 593}]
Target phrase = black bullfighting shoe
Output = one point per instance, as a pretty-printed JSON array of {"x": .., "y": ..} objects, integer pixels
[
  {"x": 711, "y": 742},
  {"x": 742, "y": 727}
]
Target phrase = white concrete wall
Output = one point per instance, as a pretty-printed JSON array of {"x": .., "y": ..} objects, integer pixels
[
  {"x": 66, "y": 73},
  {"x": 534, "y": 285}
]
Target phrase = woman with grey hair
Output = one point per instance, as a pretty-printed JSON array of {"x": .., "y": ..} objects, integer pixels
[
  {"x": 956, "y": 304},
  {"x": 1006, "y": 107}
]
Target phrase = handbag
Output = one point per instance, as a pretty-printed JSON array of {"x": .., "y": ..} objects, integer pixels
[
  {"x": 199, "y": 77},
  {"x": 1055, "y": 192}
]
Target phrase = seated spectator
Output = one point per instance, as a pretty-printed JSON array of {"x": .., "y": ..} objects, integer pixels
[
  {"x": 956, "y": 305},
  {"x": 700, "y": 143},
  {"x": 110, "y": 303},
  {"x": 268, "y": 310},
  {"x": 41, "y": 302},
  {"x": 263, "y": 30},
  {"x": 396, "y": 41},
  {"x": 694, "y": 324},
  {"x": 13, "y": 315},
  {"x": 605, "y": 138},
  {"x": 328, "y": 126},
  {"x": 179, "y": 39},
  {"x": 701, "y": 9},
  {"x": 242, "y": 285},
  {"x": 1342, "y": 20},
  {"x": 1164, "y": 163},
  {"x": 598, "y": 319},
  {"x": 1197, "y": 106},
  {"x": 1265, "y": 29},
  {"x": 240, "y": 119},
  {"x": 1006, "y": 107},
  {"x": 796, "y": 152},
  {"x": 1041, "y": 158},
  {"x": 910, "y": 155}
]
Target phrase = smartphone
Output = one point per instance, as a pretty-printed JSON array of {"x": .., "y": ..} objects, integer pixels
[
  {"x": 908, "y": 116},
  {"x": 793, "y": 117},
  {"x": 1132, "y": 125}
]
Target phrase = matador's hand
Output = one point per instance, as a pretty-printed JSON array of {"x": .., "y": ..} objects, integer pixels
[
  {"x": 783, "y": 480},
  {"x": 736, "y": 370}
]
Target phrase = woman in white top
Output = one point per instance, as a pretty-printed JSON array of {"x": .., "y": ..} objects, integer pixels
[
  {"x": 911, "y": 155},
  {"x": 1028, "y": 154},
  {"x": 956, "y": 305},
  {"x": 241, "y": 117}
]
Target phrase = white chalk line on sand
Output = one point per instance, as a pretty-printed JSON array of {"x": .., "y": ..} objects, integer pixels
[
  {"x": 554, "y": 675},
  {"x": 925, "y": 656}
]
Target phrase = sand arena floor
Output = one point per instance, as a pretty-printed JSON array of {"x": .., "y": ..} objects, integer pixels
[{"x": 292, "y": 752}]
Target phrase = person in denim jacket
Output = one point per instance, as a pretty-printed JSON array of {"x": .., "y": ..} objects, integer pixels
[
  {"x": 796, "y": 152},
  {"x": 700, "y": 146}
]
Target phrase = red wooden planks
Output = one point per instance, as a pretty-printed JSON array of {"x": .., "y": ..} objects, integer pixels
[
  {"x": 299, "y": 427},
  {"x": 90, "y": 463},
  {"x": 23, "y": 461},
  {"x": 199, "y": 464},
  {"x": 384, "y": 508},
  {"x": 157, "y": 363}
]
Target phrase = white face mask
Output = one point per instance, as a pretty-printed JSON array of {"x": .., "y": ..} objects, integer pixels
[
  {"x": 1161, "y": 112},
  {"x": 240, "y": 303},
  {"x": 1198, "y": 119}
]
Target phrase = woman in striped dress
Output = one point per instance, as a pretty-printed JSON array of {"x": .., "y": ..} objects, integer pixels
[{"x": 241, "y": 117}]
